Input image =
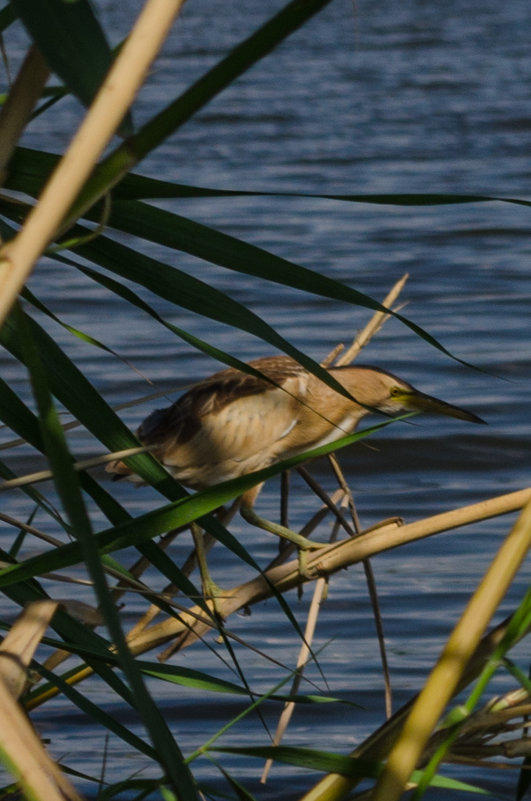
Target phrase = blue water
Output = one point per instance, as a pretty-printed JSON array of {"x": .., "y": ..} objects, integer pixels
[{"x": 367, "y": 98}]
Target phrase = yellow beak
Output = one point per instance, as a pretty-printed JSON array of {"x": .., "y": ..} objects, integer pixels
[{"x": 420, "y": 402}]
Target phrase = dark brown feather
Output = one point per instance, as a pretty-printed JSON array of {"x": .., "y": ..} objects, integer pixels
[{"x": 183, "y": 418}]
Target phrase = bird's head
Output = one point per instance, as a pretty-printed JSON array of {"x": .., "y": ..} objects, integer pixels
[
  {"x": 376, "y": 389},
  {"x": 397, "y": 396}
]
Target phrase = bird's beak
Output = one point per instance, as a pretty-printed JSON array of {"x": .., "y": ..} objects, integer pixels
[{"x": 420, "y": 402}]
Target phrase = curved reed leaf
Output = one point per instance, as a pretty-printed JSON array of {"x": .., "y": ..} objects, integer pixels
[
  {"x": 69, "y": 490},
  {"x": 189, "y": 677},
  {"x": 329, "y": 762},
  {"x": 197, "y": 296},
  {"x": 140, "y": 187},
  {"x": 31, "y": 298},
  {"x": 30, "y": 169},
  {"x": 205, "y": 242}
]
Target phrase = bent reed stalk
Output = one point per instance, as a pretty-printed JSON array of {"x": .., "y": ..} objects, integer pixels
[{"x": 193, "y": 624}]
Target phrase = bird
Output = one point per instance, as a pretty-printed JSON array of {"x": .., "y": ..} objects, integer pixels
[{"x": 233, "y": 422}]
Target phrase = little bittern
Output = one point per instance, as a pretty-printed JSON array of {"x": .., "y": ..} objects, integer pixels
[{"x": 233, "y": 423}]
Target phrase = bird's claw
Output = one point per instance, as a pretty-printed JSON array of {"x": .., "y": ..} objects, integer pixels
[{"x": 309, "y": 572}]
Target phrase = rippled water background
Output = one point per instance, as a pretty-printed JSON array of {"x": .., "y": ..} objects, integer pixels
[{"x": 368, "y": 97}]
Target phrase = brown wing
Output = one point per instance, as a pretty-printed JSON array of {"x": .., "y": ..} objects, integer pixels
[
  {"x": 229, "y": 424},
  {"x": 212, "y": 395}
]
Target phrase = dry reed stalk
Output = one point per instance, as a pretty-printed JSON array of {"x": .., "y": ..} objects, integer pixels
[
  {"x": 330, "y": 559},
  {"x": 37, "y": 773},
  {"x": 445, "y": 676},
  {"x": 373, "y": 326},
  {"x": 302, "y": 659},
  {"x": 19, "y": 644},
  {"x": 383, "y": 539},
  {"x": 21, "y": 748},
  {"x": 20, "y": 102},
  {"x": 113, "y": 100},
  {"x": 285, "y": 577}
]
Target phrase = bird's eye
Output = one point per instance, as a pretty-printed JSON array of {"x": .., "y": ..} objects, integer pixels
[{"x": 395, "y": 391}]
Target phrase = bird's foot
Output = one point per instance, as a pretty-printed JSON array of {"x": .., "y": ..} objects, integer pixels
[
  {"x": 305, "y": 570},
  {"x": 303, "y": 543},
  {"x": 212, "y": 595}
]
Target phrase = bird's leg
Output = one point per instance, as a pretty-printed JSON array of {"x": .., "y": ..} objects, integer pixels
[
  {"x": 302, "y": 543},
  {"x": 283, "y": 544},
  {"x": 211, "y": 590}
]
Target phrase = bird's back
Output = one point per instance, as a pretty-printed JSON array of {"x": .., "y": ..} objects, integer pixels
[{"x": 229, "y": 424}]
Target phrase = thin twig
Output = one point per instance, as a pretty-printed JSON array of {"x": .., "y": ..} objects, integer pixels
[
  {"x": 325, "y": 498},
  {"x": 305, "y": 654},
  {"x": 82, "y": 464},
  {"x": 371, "y": 585}
]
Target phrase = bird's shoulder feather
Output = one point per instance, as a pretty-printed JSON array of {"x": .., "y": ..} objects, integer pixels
[{"x": 212, "y": 395}]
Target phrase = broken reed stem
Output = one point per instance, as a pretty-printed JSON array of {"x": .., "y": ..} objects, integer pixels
[
  {"x": 364, "y": 336},
  {"x": 373, "y": 326},
  {"x": 319, "y": 594},
  {"x": 82, "y": 464}
]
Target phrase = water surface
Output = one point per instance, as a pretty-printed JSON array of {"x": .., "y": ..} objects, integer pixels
[{"x": 367, "y": 98}]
